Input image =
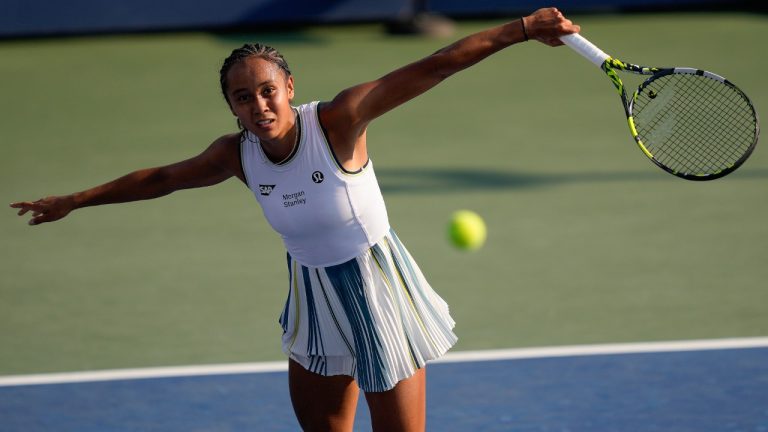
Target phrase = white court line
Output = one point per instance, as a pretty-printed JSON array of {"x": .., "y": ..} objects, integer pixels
[
  {"x": 605, "y": 349},
  {"x": 455, "y": 357}
]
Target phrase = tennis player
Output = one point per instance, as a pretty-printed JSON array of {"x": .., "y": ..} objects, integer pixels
[{"x": 359, "y": 313}]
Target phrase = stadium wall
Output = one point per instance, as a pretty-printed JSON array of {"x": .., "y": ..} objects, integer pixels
[{"x": 30, "y": 18}]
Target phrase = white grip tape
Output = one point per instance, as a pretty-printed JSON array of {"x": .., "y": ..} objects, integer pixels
[{"x": 585, "y": 48}]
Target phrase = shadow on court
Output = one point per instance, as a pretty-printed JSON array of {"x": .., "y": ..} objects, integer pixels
[
  {"x": 450, "y": 180},
  {"x": 702, "y": 391}
]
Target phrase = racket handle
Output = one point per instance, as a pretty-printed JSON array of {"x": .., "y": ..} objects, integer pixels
[{"x": 586, "y": 48}]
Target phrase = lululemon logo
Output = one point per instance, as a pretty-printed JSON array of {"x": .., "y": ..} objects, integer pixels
[{"x": 318, "y": 177}]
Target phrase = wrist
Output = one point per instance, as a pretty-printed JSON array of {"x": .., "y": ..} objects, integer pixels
[
  {"x": 524, "y": 28},
  {"x": 75, "y": 200}
]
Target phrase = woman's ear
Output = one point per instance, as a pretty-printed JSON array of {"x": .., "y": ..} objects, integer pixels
[{"x": 289, "y": 86}]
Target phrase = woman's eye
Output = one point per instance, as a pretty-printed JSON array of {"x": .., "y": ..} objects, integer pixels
[{"x": 268, "y": 91}]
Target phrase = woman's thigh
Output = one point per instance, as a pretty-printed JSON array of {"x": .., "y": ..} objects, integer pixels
[
  {"x": 402, "y": 409},
  {"x": 322, "y": 403}
]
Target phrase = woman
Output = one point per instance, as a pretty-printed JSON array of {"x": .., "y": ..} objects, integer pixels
[{"x": 359, "y": 312}]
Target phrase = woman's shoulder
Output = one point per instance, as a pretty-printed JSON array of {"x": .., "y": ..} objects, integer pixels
[
  {"x": 225, "y": 152},
  {"x": 328, "y": 113},
  {"x": 226, "y": 148}
]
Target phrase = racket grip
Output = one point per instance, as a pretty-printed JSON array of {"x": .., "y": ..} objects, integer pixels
[{"x": 586, "y": 48}]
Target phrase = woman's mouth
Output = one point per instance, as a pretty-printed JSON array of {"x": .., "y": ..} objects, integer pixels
[{"x": 265, "y": 124}]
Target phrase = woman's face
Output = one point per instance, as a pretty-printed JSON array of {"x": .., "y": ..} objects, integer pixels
[{"x": 260, "y": 94}]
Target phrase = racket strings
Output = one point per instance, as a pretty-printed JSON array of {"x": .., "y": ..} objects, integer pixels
[
  {"x": 714, "y": 156},
  {"x": 707, "y": 125},
  {"x": 702, "y": 154},
  {"x": 694, "y": 124}
]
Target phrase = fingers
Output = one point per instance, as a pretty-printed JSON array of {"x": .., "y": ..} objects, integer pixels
[
  {"x": 42, "y": 215},
  {"x": 43, "y": 218},
  {"x": 42, "y": 210},
  {"x": 564, "y": 25},
  {"x": 25, "y": 206},
  {"x": 549, "y": 24}
]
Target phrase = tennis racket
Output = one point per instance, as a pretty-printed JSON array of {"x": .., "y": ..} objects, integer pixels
[{"x": 692, "y": 123}]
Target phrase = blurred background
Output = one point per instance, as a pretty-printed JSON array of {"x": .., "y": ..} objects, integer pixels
[
  {"x": 588, "y": 241},
  {"x": 24, "y": 18}
]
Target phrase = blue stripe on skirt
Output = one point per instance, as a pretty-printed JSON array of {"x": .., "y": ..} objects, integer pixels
[{"x": 375, "y": 317}]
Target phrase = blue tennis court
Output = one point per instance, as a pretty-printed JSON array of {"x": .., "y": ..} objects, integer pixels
[{"x": 671, "y": 390}]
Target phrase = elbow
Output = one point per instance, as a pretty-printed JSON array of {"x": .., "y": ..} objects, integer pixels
[
  {"x": 156, "y": 176},
  {"x": 156, "y": 182}
]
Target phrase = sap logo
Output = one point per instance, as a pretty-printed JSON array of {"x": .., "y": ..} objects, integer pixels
[{"x": 266, "y": 189}]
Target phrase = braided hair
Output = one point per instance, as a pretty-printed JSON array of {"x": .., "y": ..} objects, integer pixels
[{"x": 251, "y": 50}]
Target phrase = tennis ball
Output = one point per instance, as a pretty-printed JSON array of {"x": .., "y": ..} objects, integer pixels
[{"x": 467, "y": 230}]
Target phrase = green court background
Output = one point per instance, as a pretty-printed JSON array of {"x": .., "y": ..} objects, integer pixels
[{"x": 589, "y": 242}]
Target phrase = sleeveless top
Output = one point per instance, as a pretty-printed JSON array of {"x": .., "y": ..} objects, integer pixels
[{"x": 325, "y": 214}]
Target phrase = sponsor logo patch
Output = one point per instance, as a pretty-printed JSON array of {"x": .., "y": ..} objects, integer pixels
[
  {"x": 318, "y": 177},
  {"x": 266, "y": 189}
]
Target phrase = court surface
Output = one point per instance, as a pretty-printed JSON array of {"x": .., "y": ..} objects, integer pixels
[
  {"x": 718, "y": 385},
  {"x": 589, "y": 242}
]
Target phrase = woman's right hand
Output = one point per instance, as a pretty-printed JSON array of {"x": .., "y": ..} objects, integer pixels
[
  {"x": 47, "y": 209},
  {"x": 547, "y": 25}
]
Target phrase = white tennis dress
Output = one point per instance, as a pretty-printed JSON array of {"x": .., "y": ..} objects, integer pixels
[{"x": 357, "y": 304}]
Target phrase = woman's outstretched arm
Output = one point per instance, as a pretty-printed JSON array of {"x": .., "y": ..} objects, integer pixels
[
  {"x": 355, "y": 107},
  {"x": 214, "y": 165}
]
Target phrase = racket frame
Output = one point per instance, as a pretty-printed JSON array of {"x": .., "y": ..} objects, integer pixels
[{"x": 610, "y": 66}]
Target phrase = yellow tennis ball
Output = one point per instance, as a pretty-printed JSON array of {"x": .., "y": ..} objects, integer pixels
[{"x": 467, "y": 230}]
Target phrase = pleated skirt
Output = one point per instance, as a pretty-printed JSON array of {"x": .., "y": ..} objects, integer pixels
[{"x": 374, "y": 317}]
